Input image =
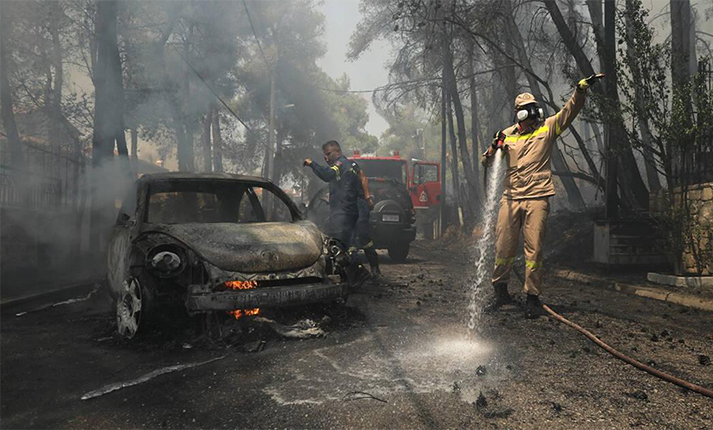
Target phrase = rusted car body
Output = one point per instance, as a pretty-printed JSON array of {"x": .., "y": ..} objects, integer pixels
[{"x": 216, "y": 242}]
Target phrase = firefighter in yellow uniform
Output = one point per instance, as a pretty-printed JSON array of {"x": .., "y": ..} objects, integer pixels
[{"x": 528, "y": 186}]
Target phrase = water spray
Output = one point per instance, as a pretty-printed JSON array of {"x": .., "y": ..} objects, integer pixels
[{"x": 485, "y": 242}]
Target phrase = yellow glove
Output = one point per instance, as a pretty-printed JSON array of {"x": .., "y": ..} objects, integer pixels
[{"x": 584, "y": 84}]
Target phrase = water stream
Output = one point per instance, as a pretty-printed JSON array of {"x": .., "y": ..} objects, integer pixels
[{"x": 484, "y": 247}]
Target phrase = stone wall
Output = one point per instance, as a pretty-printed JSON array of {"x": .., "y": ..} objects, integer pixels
[{"x": 700, "y": 198}]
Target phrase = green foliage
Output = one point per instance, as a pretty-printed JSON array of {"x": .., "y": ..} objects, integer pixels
[{"x": 401, "y": 134}]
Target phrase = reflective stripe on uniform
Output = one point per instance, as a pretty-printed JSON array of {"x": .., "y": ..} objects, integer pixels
[
  {"x": 533, "y": 264},
  {"x": 517, "y": 138},
  {"x": 504, "y": 261},
  {"x": 336, "y": 170},
  {"x": 368, "y": 245},
  {"x": 558, "y": 130}
]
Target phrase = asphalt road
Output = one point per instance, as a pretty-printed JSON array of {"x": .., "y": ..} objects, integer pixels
[{"x": 398, "y": 356}]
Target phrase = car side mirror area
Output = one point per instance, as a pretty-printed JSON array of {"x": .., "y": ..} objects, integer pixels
[{"x": 126, "y": 220}]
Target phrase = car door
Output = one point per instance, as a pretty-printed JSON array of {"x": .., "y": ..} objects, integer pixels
[{"x": 425, "y": 184}]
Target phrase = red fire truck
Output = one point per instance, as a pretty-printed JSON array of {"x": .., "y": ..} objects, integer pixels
[{"x": 421, "y": 178}]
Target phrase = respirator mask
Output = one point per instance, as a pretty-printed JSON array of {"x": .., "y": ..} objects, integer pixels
[{"x": 529, "y": 111}]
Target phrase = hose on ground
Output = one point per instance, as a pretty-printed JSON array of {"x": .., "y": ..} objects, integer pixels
[
  {"x": 629, "y": 360},
  {"x": 621, "y": 356}
]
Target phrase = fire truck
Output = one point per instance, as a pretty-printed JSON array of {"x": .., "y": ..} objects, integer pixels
[
  {"x": 421, "y": 178},
  {"x": 401, "y": 189}
]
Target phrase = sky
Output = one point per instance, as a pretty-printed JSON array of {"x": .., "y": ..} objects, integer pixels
[{"x": 368, "y": 71}]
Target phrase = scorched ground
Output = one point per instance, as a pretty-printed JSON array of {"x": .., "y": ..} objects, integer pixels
[{"x": 395, "y": 357}]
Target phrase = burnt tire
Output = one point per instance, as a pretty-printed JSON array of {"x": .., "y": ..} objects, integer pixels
[
  {"x": 398, "y": 253},
  {"x": 133, "y": 309}
]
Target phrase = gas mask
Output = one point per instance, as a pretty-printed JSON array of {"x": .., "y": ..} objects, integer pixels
[{"x": 529, "y": 111}]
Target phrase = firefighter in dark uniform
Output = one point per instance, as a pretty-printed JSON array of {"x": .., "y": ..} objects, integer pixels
[
  {"x": 345, "y": 189},
  {"x": 362, "y": 234}
]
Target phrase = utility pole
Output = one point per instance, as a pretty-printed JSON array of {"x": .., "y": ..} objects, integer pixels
[
  {"x": 444, "y": 213},
  {"x": 270, "y": 151}
]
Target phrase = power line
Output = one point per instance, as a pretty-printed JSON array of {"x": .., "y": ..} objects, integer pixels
[
  {"x": 214, "y": 93},
  {"x": 257, "y": 39}
]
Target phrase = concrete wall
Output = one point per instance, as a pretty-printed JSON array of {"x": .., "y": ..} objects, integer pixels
[{"x": 700, "y": 198}]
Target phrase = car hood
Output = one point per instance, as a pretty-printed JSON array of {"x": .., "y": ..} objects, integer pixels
[{"x": 258, "y": 247}]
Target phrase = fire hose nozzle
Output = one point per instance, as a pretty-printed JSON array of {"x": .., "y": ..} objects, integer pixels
[{"x": 498, "y": 140}]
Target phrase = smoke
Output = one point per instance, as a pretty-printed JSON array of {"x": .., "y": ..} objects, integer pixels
[
  {"x": 45, "y": 229},
  {"x": 484, "y": 246}
]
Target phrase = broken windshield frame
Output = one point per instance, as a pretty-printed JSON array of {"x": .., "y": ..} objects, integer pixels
[{"x": 214, "y": 201}]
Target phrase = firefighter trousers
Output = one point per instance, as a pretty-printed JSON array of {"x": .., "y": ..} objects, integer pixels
[{"x": 530, "y": 216}]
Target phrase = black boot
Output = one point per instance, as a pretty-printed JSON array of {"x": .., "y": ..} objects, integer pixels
[
  {"x": 533, "y": 307},
  {"x": 500, "y": 297},
  {"x": 356, "y": 275},
  {"x": 373, "y": 258}
]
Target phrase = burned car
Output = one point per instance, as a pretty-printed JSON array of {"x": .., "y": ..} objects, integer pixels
[{"x": 216, "y": 242}]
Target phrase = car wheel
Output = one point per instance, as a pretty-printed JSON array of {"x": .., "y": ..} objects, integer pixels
[
  {"x": 131, "y": 308},
  {"x": 398, "y": 253}
]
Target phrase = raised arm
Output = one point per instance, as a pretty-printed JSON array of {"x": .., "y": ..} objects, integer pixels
[{"x": 569, "y": 112}]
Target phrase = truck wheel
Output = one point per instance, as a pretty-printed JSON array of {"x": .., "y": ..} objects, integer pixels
[{"x": 398, "y": 253}]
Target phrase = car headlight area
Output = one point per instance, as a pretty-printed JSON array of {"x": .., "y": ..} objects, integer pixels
[{"x": 166, "y": 261}]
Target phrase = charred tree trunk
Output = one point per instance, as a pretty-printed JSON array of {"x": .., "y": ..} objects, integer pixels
[
  {"x": 508, "y": 79},
  {"x": 597, "y": 17},
  {"x": 610, "y": 131},
  {"x": 470, "y": 177},
  {"x": 475, "y": 132},
  {"x": 217, "y": 143},
  {"x": 680, "y": 79},
  {"x": 680, "y": 43},
  {"x": 8, "y": 115},
  {"x": 186, "y": 151},
  {"x": 205, "y": 138},
  {"x": 652, "y": 175},
  {"x": 454, "y": 154},
  {"x": 108, "y": 119}
]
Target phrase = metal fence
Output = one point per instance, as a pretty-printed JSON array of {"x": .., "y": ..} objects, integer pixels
[{"x": 48, "y": 178}]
